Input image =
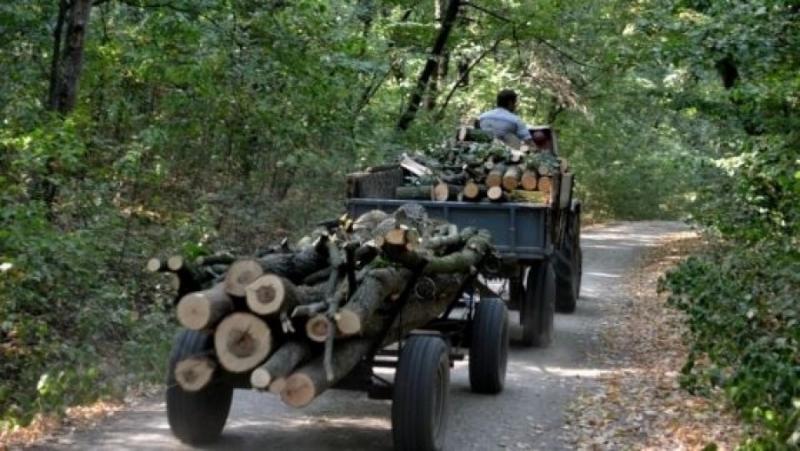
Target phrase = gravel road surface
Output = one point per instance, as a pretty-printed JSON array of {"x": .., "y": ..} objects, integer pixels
[{"x": 529, "y": 414}]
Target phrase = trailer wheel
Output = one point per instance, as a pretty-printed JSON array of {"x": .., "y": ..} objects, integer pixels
[
  {"x": 488, "y": 350},
  {"x": 569, "y": 267},
  {"x": 419, "y": 402},
  {"x": 195, "y": 417},
  {"x": 538, "y": 309}
]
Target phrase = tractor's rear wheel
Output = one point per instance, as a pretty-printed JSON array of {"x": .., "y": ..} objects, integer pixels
[
  {"x": 197, "y": 417},
  {"x": 538, "y": 308}
]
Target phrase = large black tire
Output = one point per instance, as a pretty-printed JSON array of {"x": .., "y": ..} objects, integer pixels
[
  {"x": 488, "y": 349},
  {"x": 538, "y": 309},
  {"x": 569, "y": 266},
  {"x": 198, "y": 417},
  {"x": 419, "y": 402}
]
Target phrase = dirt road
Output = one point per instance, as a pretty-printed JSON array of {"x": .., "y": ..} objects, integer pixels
[{"x": 529, "y": 414}]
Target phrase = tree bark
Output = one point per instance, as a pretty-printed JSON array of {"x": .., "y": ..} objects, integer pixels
[
  {"x": 310, "y": 381},
  {"x": 375, "y": 289},
  {"x": 438, "y": 49},
  {"x": 280, "y": 364}
]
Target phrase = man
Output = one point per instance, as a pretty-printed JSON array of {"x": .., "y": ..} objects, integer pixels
[{"x": 503, "y": 123}]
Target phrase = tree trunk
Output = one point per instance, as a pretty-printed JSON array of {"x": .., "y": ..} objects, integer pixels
[
  {"x": 438, "y": 49},
  {"x": 68, "y": 63},
  {"x": 280, "y": 364},
  {"x": 242, "y": 341}
]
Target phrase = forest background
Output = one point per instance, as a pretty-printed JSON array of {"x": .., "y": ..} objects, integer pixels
[{"x": 132, "y": 127}]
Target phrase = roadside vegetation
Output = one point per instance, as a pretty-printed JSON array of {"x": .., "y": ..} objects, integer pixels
[{"x": 132, "y": 127}]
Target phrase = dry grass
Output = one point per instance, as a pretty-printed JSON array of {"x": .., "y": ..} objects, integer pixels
[{"x": 640, "y": 404}]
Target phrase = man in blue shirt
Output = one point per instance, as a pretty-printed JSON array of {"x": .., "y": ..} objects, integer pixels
[{"x": 503, "y": 123}]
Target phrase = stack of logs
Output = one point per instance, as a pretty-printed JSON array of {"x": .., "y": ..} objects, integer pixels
[
  {"x": 468, "y": 171},
  {"x": 299, "y": 320}
]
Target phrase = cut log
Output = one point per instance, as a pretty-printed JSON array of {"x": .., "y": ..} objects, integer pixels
[
  {"x": 545, "y": 185},
  {"x": 203, "y": 309},
  {"x": 318, "y": 327},
  {"x": 194, "y": 373},
  {"x": 377, "y": 286},
  {"x": 175, "y": 263},
  {"x": 156, "y": 265},
  {"x": 443, "y": 191},
  {"x": 495, "y": 193},
  {"x": 495, "y": 176},
  {"x": 310, "y": 380},
  {"x": 280, "y": 364},
  {"x": 529, "y": 180},
  {"x": 270, "y": 294},
  {"x": 473, "y": 191},
  {"x": 242, "y": 341},
  {"x": 241, "y": 274},
  {"x": 511, "y": 178}
]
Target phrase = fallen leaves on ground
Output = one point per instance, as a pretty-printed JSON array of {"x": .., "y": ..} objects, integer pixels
[{"x": 640, "y": 404}]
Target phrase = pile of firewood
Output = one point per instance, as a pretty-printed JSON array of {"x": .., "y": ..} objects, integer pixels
[
  {"x": 477, "y": 171},
  {"x": 298, "y": 319}
]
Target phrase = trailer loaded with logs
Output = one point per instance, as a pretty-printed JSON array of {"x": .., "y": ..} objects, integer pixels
[
  {"x": 387, "y": 287},
  {"x": 523, "y": 197}
]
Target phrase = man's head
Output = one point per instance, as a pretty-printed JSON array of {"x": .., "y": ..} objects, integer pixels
[{"x": 507, "y": 99}]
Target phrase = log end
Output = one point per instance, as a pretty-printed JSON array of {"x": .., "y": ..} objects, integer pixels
[
  {"x": 153, "y": 265},
  {"x": 265, "y": 294},
  {"x": 494, "y": 193},
  {"x": 242, "y": 341},
  {"x": 348, "y": 322},
  {"x": 194, "y": 311},
  {"x": 241, "y": 274},
  {"x": 299, "y": 390},
  {"x": 175, "y": 263},
  {"x": 260, "y": 378},
  {"x": 194, "y": 373},
  {"x": 318, "y": 328},
  {"x": 278, "y": 385}
]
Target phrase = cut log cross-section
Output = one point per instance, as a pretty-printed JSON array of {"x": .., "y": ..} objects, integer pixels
[
  {"x": 242, "y": 341},
  {"x": 472, "y": 191},
  {"x": 241, "y": 274},
  {"x": 318, "y": 327},
  {"x": 529, "y": 180},
  {"x": 279, "y": 365},
  {"x": 545, "y": 185},
  {"x": 271, "y": 294},
  {"x": 511, "y": 178},
  {"x": 495, "y": 193},
  {"x": 194, "y": 373},
  {"x": 495, "y": 177},
  {"x": 203, "y": 309}
]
